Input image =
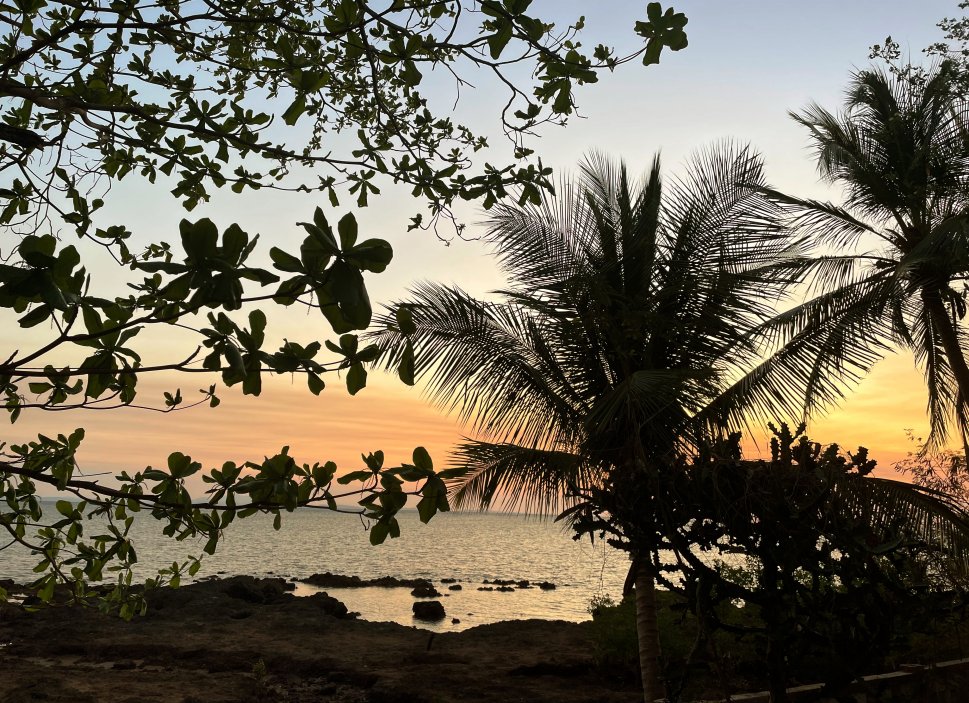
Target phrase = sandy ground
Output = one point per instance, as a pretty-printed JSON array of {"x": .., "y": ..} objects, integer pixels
[{"x": 246, "y": 640}]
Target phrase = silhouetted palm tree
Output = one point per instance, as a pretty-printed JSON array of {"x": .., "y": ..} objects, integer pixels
[
  {"x": 630, "y": 335},
  {"x": 900, "y": 150},
  {"x": 628, "y": 316}
]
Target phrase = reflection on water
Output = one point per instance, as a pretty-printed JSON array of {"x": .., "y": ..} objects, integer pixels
[{"x": 469, "y": 547}]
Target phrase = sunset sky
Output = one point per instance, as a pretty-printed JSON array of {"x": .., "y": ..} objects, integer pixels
[{"x": 748, "y": 63}]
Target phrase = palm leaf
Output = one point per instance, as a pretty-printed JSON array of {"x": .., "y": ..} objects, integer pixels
[{"x": 518, "y": 478}]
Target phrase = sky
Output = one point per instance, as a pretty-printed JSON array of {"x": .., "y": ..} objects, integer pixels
[{"x": 748, "y": 63}]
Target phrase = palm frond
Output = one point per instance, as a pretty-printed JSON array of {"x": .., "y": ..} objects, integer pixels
[
  {"x": 887, "y": 507},
  {"x": 481, "y": 362},
  {"x": 824, "y": 223},
  {"x": 519, "y": 478}
]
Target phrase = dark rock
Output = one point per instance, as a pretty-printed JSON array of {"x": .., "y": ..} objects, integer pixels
[
  {"x": 252, "y": 590},
  {"x": 454, "y": 587},
  {"x": 425, "y": 592},
  {"x": 505, "y": 589},
  {"x": 448, "y": 580},
  {"x": 485, "y": 588},
  {"x": 428, "y": 610},
  {"x": 455, "y": 621},
  {"x": 328, "y": 580},
  {"x": 523, "y": 584},
  {"x": 502, "y": 582},
  {"x": 330, "y": 605},
  {"x": 547, "y": 586}
]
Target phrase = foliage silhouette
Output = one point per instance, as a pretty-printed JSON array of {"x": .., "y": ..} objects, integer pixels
[
  {"x": 898, "y": 149},
  {"x": 622, "y": 342},
  {"x": 321, "y": 96}
]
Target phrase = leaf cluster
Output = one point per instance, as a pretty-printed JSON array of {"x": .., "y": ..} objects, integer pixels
[
  {"x": 208, "y": 96},
  {"x": 88, "y": 545}
]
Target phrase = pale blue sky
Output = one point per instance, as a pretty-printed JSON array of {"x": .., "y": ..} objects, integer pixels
[{"x": 748, "y": 63}]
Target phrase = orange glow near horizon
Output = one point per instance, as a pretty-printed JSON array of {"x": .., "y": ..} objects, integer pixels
[
  {"x": 334, "y": 426},
  {"x": 395, "y": 418},
  {"x": 877, "y": 414}
]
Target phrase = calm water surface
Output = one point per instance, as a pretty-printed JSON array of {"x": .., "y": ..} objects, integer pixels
[{"x": 470, "y": 547}]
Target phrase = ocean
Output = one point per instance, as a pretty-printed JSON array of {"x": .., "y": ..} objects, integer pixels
[{"x": 470, "y": 547}]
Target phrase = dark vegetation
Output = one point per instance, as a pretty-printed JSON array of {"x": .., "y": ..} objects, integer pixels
[
  {"x": 732, "y": 662},
  {"x": 843, "y": 575}
]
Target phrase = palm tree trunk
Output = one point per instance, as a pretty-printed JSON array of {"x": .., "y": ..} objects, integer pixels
[
  {"x": 647, "y": 630},
  {"x": 946, "y": 330}
]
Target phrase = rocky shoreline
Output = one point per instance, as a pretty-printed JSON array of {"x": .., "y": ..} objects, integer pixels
[
  {"x": 423, "y": 610},
  {"x": 250, "y": 640}
]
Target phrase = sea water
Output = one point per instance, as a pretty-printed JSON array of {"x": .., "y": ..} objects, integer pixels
[{"x": 468, "y": 546}]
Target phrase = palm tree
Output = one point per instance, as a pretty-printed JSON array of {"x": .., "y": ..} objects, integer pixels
[
  {"x": 900, "y": 150},
  {"x": 633, "y": 331},
  {"x": 621, "y": 342}
]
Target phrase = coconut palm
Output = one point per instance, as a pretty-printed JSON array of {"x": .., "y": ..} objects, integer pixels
[
  {"x": 900, "y": 150},
  {"x": 627, "y": 316},
  {"x": 628, "y": 336}
]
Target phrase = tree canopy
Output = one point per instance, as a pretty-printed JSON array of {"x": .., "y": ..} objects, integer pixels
[
  {"x": 252, "y": 94},
  {"x": 624, "y": 339},
  {"x": 321, "y": 96},
  {"x": 898, "y": 149},
  {"x": 638, "y": 329}
]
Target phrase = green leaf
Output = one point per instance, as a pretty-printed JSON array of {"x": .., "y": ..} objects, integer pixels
[
  {"x": 347, "y": 227},
  {"x": 405, "y": 370},
  {"x": 37, "y": 315},
  {"x": 426, "y": 508},
  {"x": 371, "y": 255},
  {"x": 46, "y": 592},
  {"x": 179, "y": 465},
  {"x": 322, "y": 232},
  {"x": 284, "y": 261},
  {"x": 499, "y": 40},
  {"x": 234, "y": 359},
  {"x": 199, "y": 239},
  {"x": 374, "y": 460},
  {"x": 348, "y": 344},
  {"x": 314, "y": 383},
  {"x": 234, "y": 241},
  {"x": 411, "y": 75},
  {"x": 252, "y": 383},
  {"x": 350, "y": 292},
  {"x": 356, "y": 378},
  {"x": 422, "y": 459},
  {"x": 354, "y": 476},
  {"x": 295, "y": 110},
  {"x": 405, "y": 320},
  {"x": 378, "y": 532},
  {"x": 654, "y": 47}
]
